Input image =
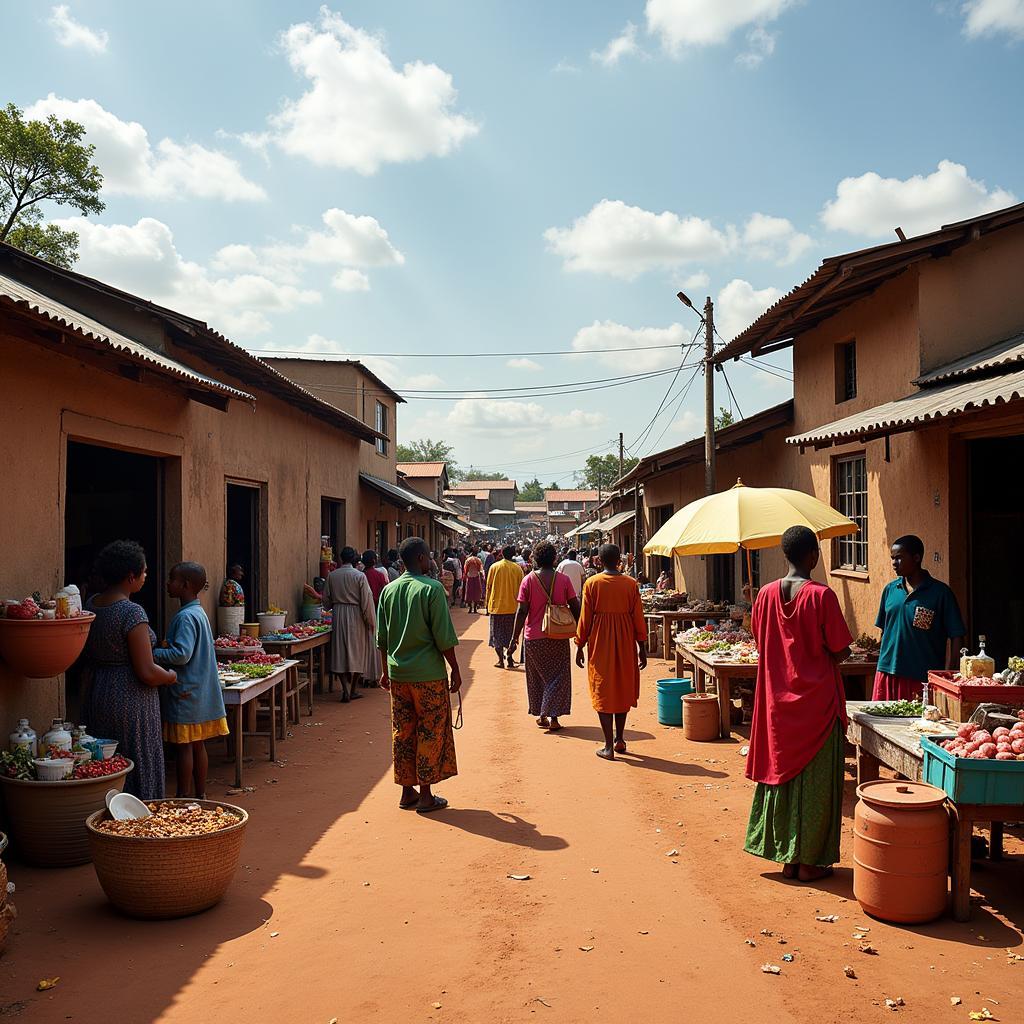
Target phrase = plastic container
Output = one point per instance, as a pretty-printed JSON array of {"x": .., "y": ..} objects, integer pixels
[
  {"x": 670, "y": 694},
  {"x": 53, "y": 770},
  {"x": 249, "y": 629},
  {"x": 229, "y": 620},
  {"x": 901, "y": 851},
  {"x": 270, "y": 622},
  {"x": 311, "y": 611},
  {"x": 41, "y": 648},
  {"x": 969, "y": 781},
  {"x": 700, "y": 717}
]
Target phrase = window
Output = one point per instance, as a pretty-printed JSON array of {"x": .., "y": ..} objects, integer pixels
[
  {"x": 565, "y": 506},
  {"x": 846, "y": 371},
  {"x": 381, "y": 425},
  {"x": 851, "y": 494},
  {"x": 332, "y": 522}
]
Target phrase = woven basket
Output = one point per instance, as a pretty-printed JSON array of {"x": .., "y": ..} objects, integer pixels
[
  {"x": 163, "y": 878},
  {"x": 47, "y": 819}
]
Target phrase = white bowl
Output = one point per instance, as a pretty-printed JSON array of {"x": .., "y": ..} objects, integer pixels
[
  {"x": 125, "y": 806},
  {"x": 52, "y": 769},
  {"x": 108, "y": 749}
]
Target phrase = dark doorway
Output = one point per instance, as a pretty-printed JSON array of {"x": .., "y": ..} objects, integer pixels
[
  {"x": 381, "y": 539},
  {"x": 660, "y": 515},
  {"x": 112, "y": 495},
  {"x": 332, "y": 522},
  {"x": 997, "y": 518},
  {"x": 242, "y": 542},
  {"x": 723, "y": 578}
]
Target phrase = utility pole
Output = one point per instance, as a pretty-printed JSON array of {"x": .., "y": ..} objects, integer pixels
[
  {"x": 709, "y": 397},
  {"x": 622, "y": 458}
]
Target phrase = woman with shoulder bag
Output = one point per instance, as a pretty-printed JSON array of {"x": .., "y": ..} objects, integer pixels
[{"x": 549, "y": 609}]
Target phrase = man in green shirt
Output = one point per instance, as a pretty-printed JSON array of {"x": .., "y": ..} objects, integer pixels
[{"x": 416, "y": 637}]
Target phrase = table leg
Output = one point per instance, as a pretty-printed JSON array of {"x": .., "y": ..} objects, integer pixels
[
  {"x": 724, "y": 706},
  {"x": 273, "y": 721},
  {"x": 323, "y": 668},
  {"x": 963, "y": 828},
  {"x": 238, "y": 746},
  {"x": 665, "y": 630},
  {"x": 995, "y": 843},
  {"x": 867, "y": 766}
]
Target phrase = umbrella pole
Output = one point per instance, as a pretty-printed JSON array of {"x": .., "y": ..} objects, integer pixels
[{"x": 750, "y": 575}]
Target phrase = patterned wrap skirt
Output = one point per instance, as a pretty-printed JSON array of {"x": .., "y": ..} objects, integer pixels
[
  {"x": 474, "y": 589},
  {"x": 548, "y": 677},
  {"x": 501, "y": 630},
  {"x": 422, "y": 739}
]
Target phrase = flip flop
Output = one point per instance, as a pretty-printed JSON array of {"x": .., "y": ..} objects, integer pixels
[
  {"x": 620, "y": 747},
  {"x": 607, "y": 755},
  {"x": 408, "y": 807},
  {"x": 439, "y": 804},
  {"x": 554, "y": 728},
  {"x": 543, "y": 724}
]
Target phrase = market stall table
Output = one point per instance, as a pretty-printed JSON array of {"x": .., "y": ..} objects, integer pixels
[
  {"x": 312, "y": 651},
  {"x": 683, "y": 615},
  {"x": 239, "y": 695},
  {"x": 898, "y": 746}
]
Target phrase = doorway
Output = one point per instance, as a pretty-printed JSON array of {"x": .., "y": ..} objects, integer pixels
[
  {"x": 242, "y": 540},
  {"x": 996, "y": 520},
  {"x": 723, "y": 578},
  {"x": 332, "y": 522}
]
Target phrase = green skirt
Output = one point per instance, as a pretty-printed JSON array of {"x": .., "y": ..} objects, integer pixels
[{"x": 799, "y": 822}]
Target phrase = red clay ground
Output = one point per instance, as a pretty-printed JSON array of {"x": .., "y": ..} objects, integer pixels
[{"x": 382, "y": 915}]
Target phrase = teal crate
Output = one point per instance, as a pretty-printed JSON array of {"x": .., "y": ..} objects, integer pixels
[{"x": 966, "y": 781}]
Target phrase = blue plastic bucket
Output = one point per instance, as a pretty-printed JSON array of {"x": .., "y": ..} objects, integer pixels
[{"x": 670, "y": 700}]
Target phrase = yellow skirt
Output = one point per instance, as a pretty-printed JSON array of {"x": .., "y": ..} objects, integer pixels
[{"x": 193, "y": 732}]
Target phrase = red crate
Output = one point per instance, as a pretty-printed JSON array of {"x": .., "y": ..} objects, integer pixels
[{"x": 958, "y": 701}]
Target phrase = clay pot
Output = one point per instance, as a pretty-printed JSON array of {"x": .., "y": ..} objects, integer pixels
[
  {"x": 901, "y": 850},
  {"x": 700, "y": 717},
  {"x": 40, "y": 648}
]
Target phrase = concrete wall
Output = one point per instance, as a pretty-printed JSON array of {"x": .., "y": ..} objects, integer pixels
[{"x": 50, "y": 396}]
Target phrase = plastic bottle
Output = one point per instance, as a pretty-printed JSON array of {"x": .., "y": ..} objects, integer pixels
[{"x": 24, "y": 738}]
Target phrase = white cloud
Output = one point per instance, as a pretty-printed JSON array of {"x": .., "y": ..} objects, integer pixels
[
  {"x": 774, "y": 238},
  {"x": 350, "y": 280},
  {"x": 626, "y": 241},
  {"x": 683, "y": 23},
  {"x": 566, "y": 67},
  {"x": 142, "y": 258},
  {"x": 131, "y": 166},
  {"x": 991, "y": 17},
  {"x": 873, "y": 206},
  {"x": 72, "y": 34},
  {"x": 361, "y": 111},
  {"x": 523, "y": 364},
  {"x": 389, "y": 370},
  {"x": 592, "y": 341},
  {"x": 760, "y": 44},
  {"x": 699, "y": 280},
  {"x": 623, "y": 45},
  {"x": 490, "y": 418},
  {"x": 739, "y": 304},
  {"x": 688, "y": 423}
]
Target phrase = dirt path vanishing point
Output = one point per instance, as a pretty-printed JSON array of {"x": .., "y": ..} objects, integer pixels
[{"x": 346, "y": 908}]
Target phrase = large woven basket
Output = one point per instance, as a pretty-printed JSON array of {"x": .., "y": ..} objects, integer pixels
[{"x": 163, "y": 878}]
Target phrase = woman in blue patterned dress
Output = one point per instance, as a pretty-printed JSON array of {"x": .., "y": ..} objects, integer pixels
[{"x": 123, "y": 703}]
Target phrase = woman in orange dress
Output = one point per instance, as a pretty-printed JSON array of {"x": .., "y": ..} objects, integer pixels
[{"x": 613, "y": 629}]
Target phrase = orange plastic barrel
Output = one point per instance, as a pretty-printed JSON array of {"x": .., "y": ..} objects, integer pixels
[
  {"x": 700, "y": 717},
  {"x": 901, "y": 850}
]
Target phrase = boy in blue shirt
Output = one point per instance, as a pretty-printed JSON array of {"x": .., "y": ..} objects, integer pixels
[{"x": 193, "y": 707}]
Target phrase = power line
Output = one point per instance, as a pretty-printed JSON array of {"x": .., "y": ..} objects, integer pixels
[
  {"x": 682, "y": 364},
  {"x": 731, "y": 395},
  {"x": 549, "y": 458},
  {"x": 342, "y": 356},
  {"x": 676, "y": 408},
  {"x": 753, "y": 361},
  {"x": 771, "y": 373}
]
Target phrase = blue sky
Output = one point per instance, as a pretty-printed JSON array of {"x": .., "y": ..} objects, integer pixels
[{"x": 423, "y": 177}]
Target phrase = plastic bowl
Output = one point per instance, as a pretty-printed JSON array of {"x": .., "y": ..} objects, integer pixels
[{"x": 52, "y": 769}]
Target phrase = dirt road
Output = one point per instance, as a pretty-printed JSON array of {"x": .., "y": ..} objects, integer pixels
[{"x": 348, "y": 908}]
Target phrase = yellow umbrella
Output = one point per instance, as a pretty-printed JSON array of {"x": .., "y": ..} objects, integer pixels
[{"x": 745, "y": 517}]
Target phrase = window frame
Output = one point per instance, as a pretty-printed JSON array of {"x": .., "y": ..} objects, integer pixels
[
  {"x": 846, "y": 370},
  {"x": 381, "y": 426},
  {"x": 845, "y": 550}
]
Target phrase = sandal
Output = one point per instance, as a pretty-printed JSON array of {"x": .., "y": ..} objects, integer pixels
[
  {"x": 439, "y": 804},
  {"x": 543, "y": 722},
  {"x": 555, "y": 727},
  {"x": 620, "y": 747},
  {"x": 790, "y": 870},
  {"x": 604, "y": 752}
]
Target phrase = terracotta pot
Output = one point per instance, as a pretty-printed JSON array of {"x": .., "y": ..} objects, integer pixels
[
  {"x": 901, "y": 850},
  {"x": 47, "y": 819},
  {"x": 40, "y": 648},
  {"x": 163, "y": 878},
  {"x": 700, "y": 717}
]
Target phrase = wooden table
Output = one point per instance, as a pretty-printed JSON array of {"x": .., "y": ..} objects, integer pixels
[
  {"x": 682, "y": 615},
  {"x": 239, "y": 695},
  {"x": 312, "y": 651},
  {"x": 898, "y": 747}
]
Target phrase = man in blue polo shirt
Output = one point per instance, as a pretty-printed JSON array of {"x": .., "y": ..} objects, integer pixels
[{"x": 921, "y": 625}]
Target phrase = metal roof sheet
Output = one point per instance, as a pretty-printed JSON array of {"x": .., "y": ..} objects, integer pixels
[
  {"x": 490, "y": 485},
  {"x": 60, "y": 312},
  {"x": 616, "y": 520},
  {"x": 398, "y": 494},
  {"x": 925, "y": 406},
  {"x": 451, "y": 524},
  {"x": 550, "y": 496},
  {"x": 422, "y": 469},
  {"x": 1002, "y": 354}
]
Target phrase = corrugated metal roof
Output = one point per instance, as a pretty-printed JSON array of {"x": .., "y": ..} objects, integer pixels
[
  {"x": 451, "y": 524},
  {"x": 398, "y": 494},
  {"x": 581, "y": 529},
  {"x": 550, "y": 496},
  {"x": 422, "y": 469},
  {"x": 927, "y": 405},
  {"x": 60, "y": 312},
  {"x": 490, "y": 485},
  {"x": 1002, "y": 354},
  {"x": 616, "y": 520}
]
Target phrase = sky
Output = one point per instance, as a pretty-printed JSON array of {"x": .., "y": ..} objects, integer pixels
[{"x": 410, "y": 179}]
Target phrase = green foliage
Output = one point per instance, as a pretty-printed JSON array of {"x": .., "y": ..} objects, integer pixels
[
  {"x": 601, "y": 471},
  {"x": 428, "y": 450},
  {"x": 479, "y": 474},
  {"x": 44, "y": 161},
  {"x": 531, "y": 491},
  {"x": 724, "y": 418}
]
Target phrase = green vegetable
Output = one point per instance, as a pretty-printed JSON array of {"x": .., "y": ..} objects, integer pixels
[
  {"x": 251, "y": 671},
  {"x": 896, "y": 709},
  {"x": 17, "y": 765}
]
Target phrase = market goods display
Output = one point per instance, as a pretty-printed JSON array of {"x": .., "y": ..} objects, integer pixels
[
  {"x": 238, "y": 643},
  {"x": 42, "y": 638},
  {"x": 252, "y": 671},
  {"x": 725, "y": 642},
  {"x": 977, "y": 744},
  {"x": 299, "y": 631},
  {"x": 896, "y": 709},
  {"x": 182, "y": 869},
  {"x": 101, "y": 769},
  {"x": 261, "y": 658}
]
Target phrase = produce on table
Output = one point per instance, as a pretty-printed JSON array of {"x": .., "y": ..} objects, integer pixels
[
  {"x": 233, "y": 643},
  {"x": 17, "y": 764},
  {"x": 171, "y": 821},
  {"x": 27, "y": 609},
  {"x": 866, "y": 643},
  {"x": 263, "y": 659},
  {"x": 896, "y": 709},
  {"x": 98, "y": 769},
  {"x": 273, "y": 610},
  {"x": 252, "y": 671},
  {"x": 1002, "y": 744}
]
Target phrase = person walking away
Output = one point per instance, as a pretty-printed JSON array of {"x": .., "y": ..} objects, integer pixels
[
  {"x": 473, "y": 581},
  {"x": 122, "y": 700},
  {"x": 391, "y": 565},
  {"x": 193, "y": 707},
  {"x": 548, "y": 665},
  {"x": 378, "y": 579},
  {"x": 348, "y": 597},
  {"x": 613, "y": 629},
  {"x": 503, "y": 583},
  {"x": 570, "y": 566},
  {"x": 799, "y": 725},
  {"x": 921, "y": 625},
  {"x": 416, "y": 637}
]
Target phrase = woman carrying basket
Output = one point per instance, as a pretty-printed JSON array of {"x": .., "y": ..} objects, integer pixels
[{"x": 549, "y": 609}]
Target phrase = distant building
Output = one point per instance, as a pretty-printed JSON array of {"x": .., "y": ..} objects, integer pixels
[
  {"x": 494, "y": 499},
  {"x": 566, "y": 510}
]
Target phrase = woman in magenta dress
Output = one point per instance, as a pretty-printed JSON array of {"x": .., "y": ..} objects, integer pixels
[{"x": 796, "y": 737}]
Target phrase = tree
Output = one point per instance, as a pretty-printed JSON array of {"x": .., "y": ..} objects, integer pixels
[
  {"x": 44, "y": 161},
  {"x": 479, "y": 474},
  {"x": 601, "y": 471},
  {"x": 724, "y": 418},
  {"x": 427, "y": 450},
  {"x": 531, "y": 491}
]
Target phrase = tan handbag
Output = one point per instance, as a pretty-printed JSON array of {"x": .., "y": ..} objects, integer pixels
[{"x": 559, "y": 621}]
